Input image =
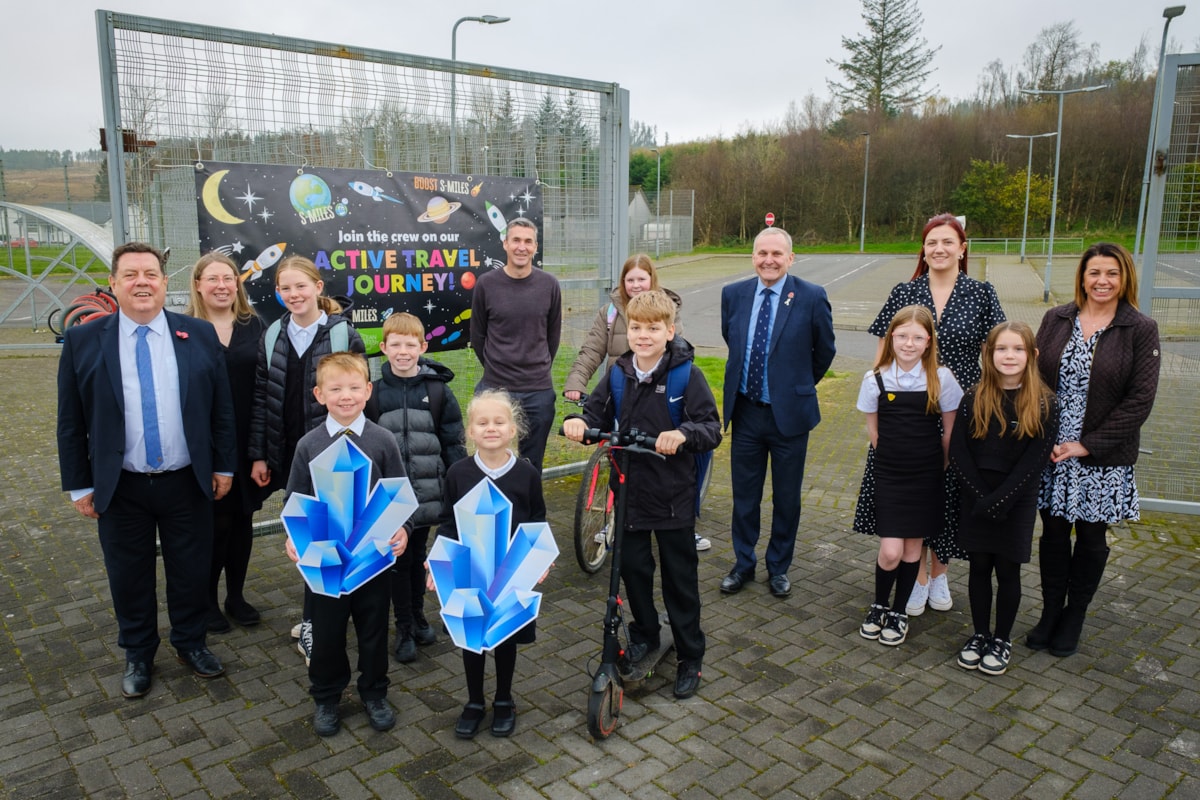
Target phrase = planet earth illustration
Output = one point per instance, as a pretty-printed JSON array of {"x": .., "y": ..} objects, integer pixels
[
  {"x": 308, "y": 193},
  {"x": 438, "y": 210}
]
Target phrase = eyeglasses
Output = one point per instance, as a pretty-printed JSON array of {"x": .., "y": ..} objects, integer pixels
[
  {"x": 904, "y": 338},
  {"x": 217, "y": 280}
]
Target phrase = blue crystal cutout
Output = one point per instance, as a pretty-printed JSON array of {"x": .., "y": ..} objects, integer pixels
[
  {"x": 342, "y": 534},
  {"x": 485, "y": 580}
]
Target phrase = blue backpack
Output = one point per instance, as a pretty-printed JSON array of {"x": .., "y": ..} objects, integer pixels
[{"x": 677, "y": 382}]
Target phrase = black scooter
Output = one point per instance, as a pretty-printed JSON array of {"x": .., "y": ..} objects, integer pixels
[{"x": 615, "y": 672}]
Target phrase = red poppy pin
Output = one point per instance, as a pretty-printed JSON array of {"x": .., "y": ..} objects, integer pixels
[
  {"x": 181, "y": 334},
  {"x": 788, "y": 302}
]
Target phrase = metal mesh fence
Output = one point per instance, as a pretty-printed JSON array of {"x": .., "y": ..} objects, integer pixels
[
  {"x": 1170, "y": 469},
  {"x": 183, "y": 94},
  {"x": 660, "y": 225}
]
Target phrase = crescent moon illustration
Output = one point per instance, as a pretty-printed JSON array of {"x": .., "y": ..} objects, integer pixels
[{"x": 212, "y": 201}]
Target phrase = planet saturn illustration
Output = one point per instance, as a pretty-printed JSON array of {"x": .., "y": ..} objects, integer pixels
[{"x": 438, "y": 210}]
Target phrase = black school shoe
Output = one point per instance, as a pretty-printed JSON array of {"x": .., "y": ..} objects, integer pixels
[
  {"x": 470, "y": 720},
  {"x": 687, "y": 678},
  {"x": 326, "y": 721},
  {"x": 380, "y": 714},
  {"x": 504, "y": 718}
]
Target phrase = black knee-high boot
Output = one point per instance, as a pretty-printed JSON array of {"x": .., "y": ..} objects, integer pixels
[
  {"x": 1087, "y": 568},
  {"x": 1054, "y": 560}
]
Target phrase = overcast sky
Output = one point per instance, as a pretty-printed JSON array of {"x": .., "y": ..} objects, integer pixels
[{"x": 694, "y": 68}]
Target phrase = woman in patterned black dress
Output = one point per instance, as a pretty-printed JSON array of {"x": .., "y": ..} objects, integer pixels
[
  {"x": 1102, "y": 356},
  {"x": 964, "y": 310}
]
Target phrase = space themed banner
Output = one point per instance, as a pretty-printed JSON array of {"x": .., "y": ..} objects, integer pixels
[{"x": 387, "y": 241}]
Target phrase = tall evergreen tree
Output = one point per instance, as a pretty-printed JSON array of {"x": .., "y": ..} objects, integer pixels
[{"x": 886, "y": 68}]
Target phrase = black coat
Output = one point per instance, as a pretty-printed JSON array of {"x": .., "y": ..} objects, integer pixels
[{"x": 267, "y": 439}]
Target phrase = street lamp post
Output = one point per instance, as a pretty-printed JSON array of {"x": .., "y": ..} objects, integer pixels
[
  {"x": 486, "y": 19},
  {"x": 862, "y": 231},
  {"x": 1169, "y": 13},
  {"x": 1057, "y": 155},
  {"x": 1028, "y": 175},
  {"x": 657, "y": 201}
]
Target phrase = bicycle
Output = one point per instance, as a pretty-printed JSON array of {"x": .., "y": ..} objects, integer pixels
[
  {"x": 608, "y": 682},
  {"x": 594, "y": 507}
]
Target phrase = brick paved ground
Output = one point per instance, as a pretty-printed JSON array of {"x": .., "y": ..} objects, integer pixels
[{"x": 794, "y": 703}]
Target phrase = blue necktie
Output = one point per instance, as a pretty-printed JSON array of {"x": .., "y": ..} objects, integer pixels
[
  {"x": 154, "y": 456},
  {"x": 757, "y": 368}
]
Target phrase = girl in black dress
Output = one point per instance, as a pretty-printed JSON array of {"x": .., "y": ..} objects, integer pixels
[
  {"x": 494, "y": 424},
  {"x": 218, "y": 296},
  {"x": 905, "y": 397},
  {"x": 1008, "y": 426}
]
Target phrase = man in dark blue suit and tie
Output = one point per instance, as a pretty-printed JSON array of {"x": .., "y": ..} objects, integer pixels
[
  {"x": 779, "y": 329},
  {"x": 145, "y": 443}
]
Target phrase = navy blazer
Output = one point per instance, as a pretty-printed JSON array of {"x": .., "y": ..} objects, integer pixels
[
  {"x": 801, "y": 349},
  {"x": 91, "y": 405}
]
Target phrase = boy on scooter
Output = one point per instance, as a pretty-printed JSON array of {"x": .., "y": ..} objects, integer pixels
[{"x": 661, "y": 394}]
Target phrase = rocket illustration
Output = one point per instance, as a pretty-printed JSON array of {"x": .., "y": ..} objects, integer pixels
[
  {"x": 373, "y": 192},
  {"x": 497, "y": 219},
  {"x": 267, "y": 258}
]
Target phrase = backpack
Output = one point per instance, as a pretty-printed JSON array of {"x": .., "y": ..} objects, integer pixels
[
  {"x": 677, "y": 382},
  {"x": 339, "y": 337}
]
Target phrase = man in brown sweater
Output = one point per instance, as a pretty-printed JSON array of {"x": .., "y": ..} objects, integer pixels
[{"x": 516, "y": 323}]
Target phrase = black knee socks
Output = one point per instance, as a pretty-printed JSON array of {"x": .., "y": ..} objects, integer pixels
[{"x": 904, "y": 577}]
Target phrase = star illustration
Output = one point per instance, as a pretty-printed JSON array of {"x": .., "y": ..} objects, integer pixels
[
  {"x": 265, "y": 215},
  {"x": 429, "y": 306},
  {"x": 249, "y": 198},
  {"x": 527, "y": 198},
  {"x": 238, "y": 247}
]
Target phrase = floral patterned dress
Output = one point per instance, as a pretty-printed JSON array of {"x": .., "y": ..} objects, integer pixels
[{"x": 1070, "y": 489}]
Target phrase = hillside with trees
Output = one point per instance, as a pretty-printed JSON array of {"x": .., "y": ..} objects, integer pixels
[{"x": 928, "y": 154}]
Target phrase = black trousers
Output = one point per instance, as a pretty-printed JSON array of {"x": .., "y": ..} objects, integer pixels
[
  {"x": 680, "y": 587},
  {"x": 408, "y": 579},
  {"x": 329, "y": 668},
  {"x": 172, "y": 507}
]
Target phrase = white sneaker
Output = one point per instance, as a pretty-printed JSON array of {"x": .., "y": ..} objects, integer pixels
[
  {"x": 296, "y": 630},
  {"x": 916, "y": 600},
  {"x": 939, "y": 593},
  {"x": 702, "y": 543}
]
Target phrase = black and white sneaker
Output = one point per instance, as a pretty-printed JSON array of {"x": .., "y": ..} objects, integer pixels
[
  {"x": 304, "y": 644},
  {"x": 895, "y": 629},
  {"x": 995, "y": 660},
  {"x": 873, "y": 624},
  {"x": 972, "y": 652}
]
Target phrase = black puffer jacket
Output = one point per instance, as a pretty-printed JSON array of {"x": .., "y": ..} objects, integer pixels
[
  {"x": 267, "y": 437},
  {"x": 402, "y": 406},
  {"x": 661, "y": 492}
]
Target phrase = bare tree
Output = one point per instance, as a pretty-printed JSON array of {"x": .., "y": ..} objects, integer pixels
[
  {"x": 1055, "y": 55},
  {"x": 886, "y": 68}
]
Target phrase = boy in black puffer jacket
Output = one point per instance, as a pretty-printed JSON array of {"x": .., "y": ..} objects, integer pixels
[{"x": 413, "y": 400}]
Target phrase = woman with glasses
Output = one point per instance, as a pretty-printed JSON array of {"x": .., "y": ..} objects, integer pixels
[{"x": 216, "y": 294}]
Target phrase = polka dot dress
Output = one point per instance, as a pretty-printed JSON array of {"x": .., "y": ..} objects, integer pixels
[{"x": 971, "y": 311}]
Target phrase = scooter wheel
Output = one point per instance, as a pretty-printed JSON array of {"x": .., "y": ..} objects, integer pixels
[{"x": 604, "y": 706}]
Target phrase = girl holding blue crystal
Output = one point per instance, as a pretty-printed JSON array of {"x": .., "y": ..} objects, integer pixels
[{"x": 494, "y": 424}]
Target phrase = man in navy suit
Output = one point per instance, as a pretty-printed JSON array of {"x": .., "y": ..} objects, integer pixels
[
  {"x": 145, "y": 443},
  {"x": 779, "y": 329}
]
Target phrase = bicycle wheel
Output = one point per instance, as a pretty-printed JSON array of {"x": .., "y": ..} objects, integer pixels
[
  {"x": 604, "y": 706},
  {"x": 593, "y": 514}
]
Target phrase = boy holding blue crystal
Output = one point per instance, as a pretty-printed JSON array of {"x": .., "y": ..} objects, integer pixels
[{"x": 343, "y": 386}]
